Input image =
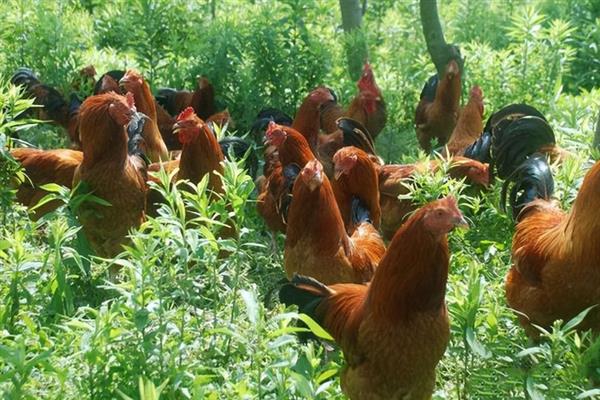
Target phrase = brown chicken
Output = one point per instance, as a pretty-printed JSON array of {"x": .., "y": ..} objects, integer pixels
[
  {"x": 203, "y": 99},
  {"x": 368, "y": 107},
  {"x": 200, "y": 155},
  {"x": 317, "y": 244},
  {"x": 307, "y": 120},
  {"x": 392, "y": 180},
  {"x": 109, "y": 173},
  {"x": 394, "y": 331},
  {"x": 287, "y": 153},
  {"x": 556, "y": 260},
  {"x": 437, "y": 112},
  {"x": 356, "y": 179},
  {"x": 469, "y": 125},
  {"x": 43, "y": 167},
  {"x": 155, "y": 148}
]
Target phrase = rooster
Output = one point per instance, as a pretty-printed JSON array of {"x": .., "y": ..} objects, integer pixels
[
  {"x": 469, "y": 125},
  {"x": 355, "y": 185},
  {"x": 394, "y": 331},
  {"x": 368, "y": 107},
  {"x": 109, "y": 173},
  {"x": 316, "y": 242},
  {"x": 393, "y": 180},
  {"x": 555, "y": 270},
  {"x": 133, "y": 82},
  {"x": 437, "y": 112}
]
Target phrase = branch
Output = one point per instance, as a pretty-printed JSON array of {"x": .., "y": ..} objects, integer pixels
[{"x": 440, "y": 51}]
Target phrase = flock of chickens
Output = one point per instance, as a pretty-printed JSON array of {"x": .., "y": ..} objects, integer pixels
[{"x": 360, "y": 258}]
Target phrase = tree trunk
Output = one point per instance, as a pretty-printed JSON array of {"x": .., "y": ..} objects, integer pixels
[
  {"x": 440, "y": 51},
  {"x": 356, "y": 44},
  {"x": 597, "y": 134}
]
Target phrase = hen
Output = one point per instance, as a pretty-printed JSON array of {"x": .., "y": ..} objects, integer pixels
[
  {"x": 316, "y": 242},
  {"x": 133, "y": 82},
  {"x": 393, "y": 180},
  {"x": 287, "y": 152},
  {"x": 43, "y": 167},
  {"x": 356, "y": 180},
  {"x": 394, "y": 331},
  {"x": 469, "y": 125},
  {"x": 109, "y": 173},
  {"x": 437, "y": 112}
]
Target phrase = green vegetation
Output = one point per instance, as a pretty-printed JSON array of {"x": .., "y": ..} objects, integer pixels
[{"x": 184, "y": 323}]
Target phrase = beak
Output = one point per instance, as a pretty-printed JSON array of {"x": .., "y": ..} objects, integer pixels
[
  {"x": 461, "y": 222},
  {"x": 337, "y": 174},
  {"x": 176, "y": 128}
]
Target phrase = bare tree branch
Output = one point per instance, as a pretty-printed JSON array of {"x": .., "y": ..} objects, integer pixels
[{"x": 440, "y": 51}]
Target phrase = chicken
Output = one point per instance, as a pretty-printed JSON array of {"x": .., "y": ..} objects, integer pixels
[
  {"x": 393, "y": 179},
  {"x": 437, "y": 112},
  {"x": 349, "y": 133},
  {"x": 368, "y": 107},
  {"x": 109, "y": 173},
  {"x": 174, "y": 101},
  {"x": 330, "y": 112},
  {"x": 316, "y": 241},
  {"x": 54, "y": 107},
  {"x": 522, "y": 129},
  {"x": 201, "y": 153},
  {"x": 109, "y": 82},
  {"x": 394, "y": 331},
  {"x": 133, "y": 82},
  {"x": 43, "y": 167},
  {"x": 555, "y": 270},
  {"x": 356, "y": 179},
  {"x": 203, "y": 99},
  {"x": 307, "y": 120},
  {"x": 287, "y": 153},
  {"x": 469, "y": 125}
]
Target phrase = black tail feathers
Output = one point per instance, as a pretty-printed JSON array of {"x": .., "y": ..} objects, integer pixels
[{"x": 531, "y": 180}]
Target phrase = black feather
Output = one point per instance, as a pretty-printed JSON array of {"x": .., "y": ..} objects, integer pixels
[
  {"x": 290, "y": 173},
  {"x": 356, "y": 134},
  {"x": 74, "y": 104},
  {"x": 24, "y": 77},
  {"x": 428, "y": 92},
  {"x": 115, "y": 74},
  {"x": 135, "y": 133},
  {"x": 267, "y": 115},
  {"x": 480, "y": 149},
  {"x": 513, "y": 143},
  {"x": 360, "y": 212},
  {"x": 531, "y": 180},
  {"x": 165, "y": 97},
  {"x": 235, "y": 149},
  {"x": 306, "y": 299},
  {"x": 510, "y": 113}
]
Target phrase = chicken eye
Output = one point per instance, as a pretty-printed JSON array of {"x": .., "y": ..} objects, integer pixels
[{"x": 439, "y": 213}]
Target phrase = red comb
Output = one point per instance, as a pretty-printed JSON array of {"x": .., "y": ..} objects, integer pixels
[{"x": 188, "y": 113}]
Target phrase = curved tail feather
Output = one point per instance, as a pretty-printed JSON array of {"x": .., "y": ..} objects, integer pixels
[{"x": 531, "y": 180}]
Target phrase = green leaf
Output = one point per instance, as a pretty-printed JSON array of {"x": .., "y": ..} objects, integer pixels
[{"x": 315, "y": 327}]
